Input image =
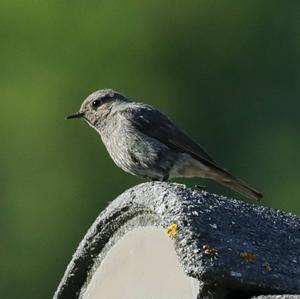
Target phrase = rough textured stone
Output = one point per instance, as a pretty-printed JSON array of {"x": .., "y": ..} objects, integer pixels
[
  {"x": 226, "y": 244},
  {"x": 278, "y": 297}
]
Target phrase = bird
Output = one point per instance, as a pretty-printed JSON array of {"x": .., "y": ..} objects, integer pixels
[{"x": 144, "y": 142}]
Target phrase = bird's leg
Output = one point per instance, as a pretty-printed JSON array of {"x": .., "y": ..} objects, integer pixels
[
  {"x": 200, "y": 187},
  {"x": 163, "y": 179},
  {"x": 155, "y": 180}
]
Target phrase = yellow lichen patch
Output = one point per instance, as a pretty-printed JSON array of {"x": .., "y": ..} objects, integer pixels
[
  {"x": 267, "y": 266},
  {"x": 210, "y": 250},
  {"x": 248, "y": 257},
  {"x": 172, "y": 230}
]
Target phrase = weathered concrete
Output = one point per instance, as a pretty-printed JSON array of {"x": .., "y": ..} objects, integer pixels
[
  {"x": 226, "y": 244},
  {"x": 278, "y": 297},
  {"x": 142, "y": 264}
]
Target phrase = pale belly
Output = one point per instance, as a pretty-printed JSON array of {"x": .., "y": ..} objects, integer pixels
[{"x": 140, "y": 155}]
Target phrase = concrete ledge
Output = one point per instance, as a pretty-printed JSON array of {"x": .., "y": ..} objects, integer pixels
[
  {"x": 228, "y": 245},
  {"x": 278, "y": 297}
]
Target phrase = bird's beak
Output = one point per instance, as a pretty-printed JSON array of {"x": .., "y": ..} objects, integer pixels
[{"x": 75, "y": 115}]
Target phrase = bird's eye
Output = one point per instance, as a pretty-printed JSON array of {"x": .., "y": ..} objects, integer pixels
[{"x": 96, "y": 104}]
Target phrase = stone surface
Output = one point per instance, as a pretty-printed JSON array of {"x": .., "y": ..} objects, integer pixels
[
  {"x": 226, "y": 244},
  {"x": 278, "y": 297}
]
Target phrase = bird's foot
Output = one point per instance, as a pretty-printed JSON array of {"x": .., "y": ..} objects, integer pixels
[
  {"x": 200, "y": 187},
  {"x": 161, "y": 179}
]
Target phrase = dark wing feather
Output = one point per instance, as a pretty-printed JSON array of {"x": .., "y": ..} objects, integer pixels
[{"x": 155, "y": 124}]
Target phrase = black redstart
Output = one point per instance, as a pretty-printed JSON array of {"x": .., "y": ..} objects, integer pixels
[{"x": 144, "y": 142}]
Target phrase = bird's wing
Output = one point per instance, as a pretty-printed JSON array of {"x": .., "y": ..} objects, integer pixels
[{"x": 155, "y": 124}]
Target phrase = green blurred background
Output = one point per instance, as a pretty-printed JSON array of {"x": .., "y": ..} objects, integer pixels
[{"x": 227, "y": 72}]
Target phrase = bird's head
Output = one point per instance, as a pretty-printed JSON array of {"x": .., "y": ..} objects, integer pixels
[{"x": 98, "y": 105}]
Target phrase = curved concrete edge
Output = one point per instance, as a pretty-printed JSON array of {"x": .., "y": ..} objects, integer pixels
[
  {"x": 152, "y": 267},
  {"x": 213, "y": 232}
]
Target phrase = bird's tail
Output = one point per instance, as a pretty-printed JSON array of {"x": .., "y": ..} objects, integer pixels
[
  {"x": 210, "y": 170},
  {"x": 241, "y": 187},
  {"x": 225, "y": 178}
]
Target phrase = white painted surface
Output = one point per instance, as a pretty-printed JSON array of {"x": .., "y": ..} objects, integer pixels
[{"x": 142, "y": 265}]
